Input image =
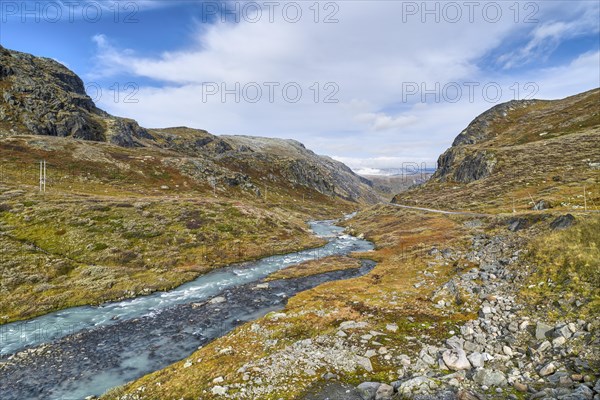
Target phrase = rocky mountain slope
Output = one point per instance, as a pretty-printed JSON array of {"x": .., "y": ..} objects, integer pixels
[
  {"x": 526, "y": 151},
  {"x": 128, "y": 210},
  {"x": 39, "y": 96}
]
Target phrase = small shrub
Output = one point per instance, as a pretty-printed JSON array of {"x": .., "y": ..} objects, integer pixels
[{"x": 99, "y": 246}]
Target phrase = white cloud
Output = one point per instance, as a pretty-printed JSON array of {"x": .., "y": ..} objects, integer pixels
[
  {"x": 384, "y": 122},
  {"x": 548, "y": 35},
  {"x": 370, "y": 55}
]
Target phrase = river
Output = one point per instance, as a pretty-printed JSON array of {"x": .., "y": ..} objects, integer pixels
[{"x": 83, "y": 351}]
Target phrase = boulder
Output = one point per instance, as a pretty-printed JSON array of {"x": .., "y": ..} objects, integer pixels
[
  {"x": 517, "y": 224},
  {"x": 562, "y": 222},
  {"x": 547, "y": 369},
  {"x": 419, "y": 384},
  {"x": 384, "y": 392},
  {"x": 368, "y": 390},
  {"x": 456, "y": 359},
  {"x": 541, "y": 329},
  {"x": 487, "y": 377},
  {"x": 365, "y": 363},
  {"x": 477, "y": 360}
]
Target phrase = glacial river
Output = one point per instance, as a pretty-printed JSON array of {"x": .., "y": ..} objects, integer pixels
[{"x": 83, "y": 351}]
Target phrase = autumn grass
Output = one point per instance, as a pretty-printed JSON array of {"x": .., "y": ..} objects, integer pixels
[
  {"x": 106, "y": 229},
  {"x": 567, "y": 270}
]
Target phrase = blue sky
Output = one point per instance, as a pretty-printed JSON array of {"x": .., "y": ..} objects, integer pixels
[{"x": 381, "y": 82}]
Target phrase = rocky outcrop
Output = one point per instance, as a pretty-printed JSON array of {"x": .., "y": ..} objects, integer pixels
[
  {"x": 518, "y": 129},
  {"x": 455, "y": 166},
  {"x": 42, "y": 97},
  {"x": 483, "y": 127}
]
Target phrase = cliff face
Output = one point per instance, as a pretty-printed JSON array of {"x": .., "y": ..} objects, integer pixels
[
  {"x": 472, "y": 155},
  {"x": 42, "y": 97},
  {"x": 39, "y": 96}
]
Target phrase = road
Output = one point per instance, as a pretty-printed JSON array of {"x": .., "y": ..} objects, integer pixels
[{"x": 468, "y": 213}]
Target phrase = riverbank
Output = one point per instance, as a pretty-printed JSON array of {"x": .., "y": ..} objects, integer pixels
[
  {"x": 447, "y": 288},
  {"x": 136, "y": 337}
]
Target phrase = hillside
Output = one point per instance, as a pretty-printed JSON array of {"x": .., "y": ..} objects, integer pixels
[
  {"x": 42, "y": 97},
  {"x": 521, "y": 151},
  {"x": 129, "y": 210}
]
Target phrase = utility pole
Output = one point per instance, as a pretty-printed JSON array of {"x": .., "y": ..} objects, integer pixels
[{"x": 43, "y": 176}]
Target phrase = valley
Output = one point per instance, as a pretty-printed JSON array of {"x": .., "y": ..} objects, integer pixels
[{"x": 176, "y": 264}]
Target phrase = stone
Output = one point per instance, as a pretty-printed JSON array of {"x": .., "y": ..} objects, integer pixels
[
  {"x": 391, "y": 327},
  {"x": 455, "y": 342},
  {"x": 347, "y": 325},
  {"x": 404, "y": 360},
  {"x": 521, "y": 387},
  {"x": 219, "y": 390},
  {"x": 562, "y": 222},
  {"x": 547, "y": 369},
  {"x": 427, "y": 359},
  {"x": 261, "y": 286},
  {"x": 544, "y": 346},
  {"x": 583, "y": 392},
  {"x": 417, "y": 384},
  {"x": 330, "y": 376},
  {"x": 217, "y": 300},
  {"x": 477, "y": 360},
  {"x": 466, "y": 395},
  {"x": 365, "y": 363},
  {"x": 516, "y": 224},
  {"x": 341, "y": 334},
  {"x": 384, "y": 392},
  {"x": 485, "y": 311},
  {"x": 487, "y": 377},
  {"x": 541, "y": 329},
  {"x": 555, "y": 377},
  {"x": 470, "y": 346},
  {"x": 559, "y": 341},
  {"x": 541, "y": 205},
  {"x": 456, "y": 359},
  {"x": 565, "y": 381},
  {"x": 507, "y": 350},
  {"x": 368, "y": 390},
  {"x": 565, "y": 331}
]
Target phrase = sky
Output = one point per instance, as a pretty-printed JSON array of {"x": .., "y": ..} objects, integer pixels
[{"x": 375, "y": 84}]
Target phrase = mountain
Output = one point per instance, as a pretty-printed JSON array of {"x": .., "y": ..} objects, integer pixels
[
  {"x": 523, "y": 151},
  {"x": 128, "y": 210},
  {"x": 42, "y": 97}
]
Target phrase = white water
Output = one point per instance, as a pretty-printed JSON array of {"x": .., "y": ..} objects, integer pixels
[{"x": 19, "y": 335}]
